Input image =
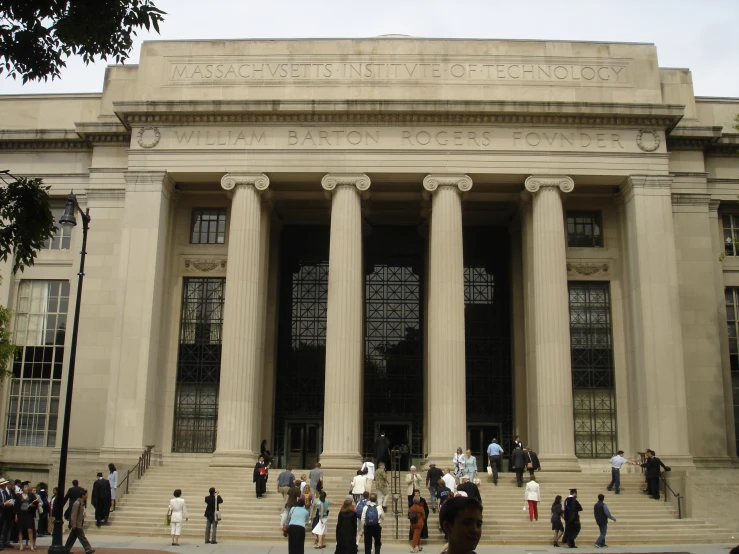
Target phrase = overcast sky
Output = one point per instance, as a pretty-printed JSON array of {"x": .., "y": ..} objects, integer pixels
[{"x": 700, "y": 35}]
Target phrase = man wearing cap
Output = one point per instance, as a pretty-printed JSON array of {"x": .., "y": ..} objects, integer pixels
[
  {"x": 470, "y": 488},
  {"x": 101, "y": 499},
  {"x": 572, "y": 519},
  {"x": 616, "y": 462},
  {"x": 432, "y": 482},
  {"x": 8, "y": 512}
]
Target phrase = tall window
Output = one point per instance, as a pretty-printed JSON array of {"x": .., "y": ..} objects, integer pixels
[
  {"x": 732, "y": 309},
  {"x": 208, "y": 226},
  {"x": 731, "y": 235},
  {"x": 584, "y": 229},
  {"x": 40, "y": 324},
  {"x": 591, "y": 349},
  {"x": 62, "y": 237},
  {"x": 198, "y": 365}
]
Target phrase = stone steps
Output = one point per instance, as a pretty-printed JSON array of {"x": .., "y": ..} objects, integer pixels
[{"x": 641, "y": 520}]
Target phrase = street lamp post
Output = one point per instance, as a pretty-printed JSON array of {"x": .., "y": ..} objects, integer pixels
[{"x": 69, "y": 220}]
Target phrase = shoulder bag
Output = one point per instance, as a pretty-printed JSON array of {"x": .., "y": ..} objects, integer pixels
[
  {"x": 168, "y": 517},
  {"x": 218, "y": 512}
]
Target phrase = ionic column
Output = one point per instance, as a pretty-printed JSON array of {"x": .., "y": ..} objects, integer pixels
[
  {"x": 240, "y": 387},
  {"x": 447, "y": 411},
  {"x": 342, "y": 416},
  {"x": 553, "y": 395}
]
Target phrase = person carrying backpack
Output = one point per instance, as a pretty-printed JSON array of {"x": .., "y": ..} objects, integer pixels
[{"x": 372, "y": 515}]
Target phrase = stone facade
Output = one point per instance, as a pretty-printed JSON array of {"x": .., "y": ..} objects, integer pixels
[{"x": 354, "y": 135}]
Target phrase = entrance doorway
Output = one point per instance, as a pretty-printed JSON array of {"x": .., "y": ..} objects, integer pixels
[
  {"x": 303, "y": 444},
  {"x": 478, "y": 439},
  {"x": 399, "y": 435}
]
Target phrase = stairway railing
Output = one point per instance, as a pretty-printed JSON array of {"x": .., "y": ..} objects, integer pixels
[
  {"x": 680, "y": 497},
  {"x": 139, "y": 469}
]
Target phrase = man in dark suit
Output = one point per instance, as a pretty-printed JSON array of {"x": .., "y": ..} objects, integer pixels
[
  {"x": 382, "y": 450},
  {"x": 470, "y": 488},
  {"x": 7, "y": 515},
  {"x": 519, "y": 463},
  {"x": 73, "y": 493},
  {"x": 533, "y": 459},
  {"x": 572, "y": 519},
  {"x": 652, "y": 466}
]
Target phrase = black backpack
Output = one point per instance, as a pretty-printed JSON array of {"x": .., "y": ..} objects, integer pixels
[{"x": 413, "y": 517}]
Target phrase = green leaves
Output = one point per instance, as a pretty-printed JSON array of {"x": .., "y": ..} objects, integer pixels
[
  {"x": 37, "y": 36},
  {"x": 26, "y": 220}
]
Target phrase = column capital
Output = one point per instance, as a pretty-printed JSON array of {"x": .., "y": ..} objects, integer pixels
[
  {"x": 433, "y": 181},
  {"x": 332, "y": 180},
  {"x": 231, "y": 180},
  {"x": 534, "y": 183},
  {"x": 713, "y": 206}
]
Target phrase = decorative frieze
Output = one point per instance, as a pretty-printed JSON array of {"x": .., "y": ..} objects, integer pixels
[
  {"x": 205, "y": 265},
  {"x": 587, "y": 269}
]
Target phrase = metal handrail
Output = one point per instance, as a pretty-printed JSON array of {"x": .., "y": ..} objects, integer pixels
[
  {"x": 140, "y": 468},
  {"x": 680, "y": 497}
]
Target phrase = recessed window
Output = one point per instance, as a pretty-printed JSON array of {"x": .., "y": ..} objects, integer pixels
[
  {"x": 731, "y": 235},
  {"x": 39, "y": 330},
  {"x": 208, "y": 226},
  {"x": 62, "y": 237},
  {"x": 732, "y": 320},
  {"x": 584, "y": 230}
]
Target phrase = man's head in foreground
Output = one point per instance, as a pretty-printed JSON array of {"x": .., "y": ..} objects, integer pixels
[{"x": 461, "y": 520}]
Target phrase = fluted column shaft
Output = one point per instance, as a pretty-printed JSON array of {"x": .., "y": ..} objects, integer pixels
[
  {"x": 342, "y": 416},
  {"x": 447, "y": 413},
  {"x": 555, "y": 421},
  {"x": 240, "y": 386}
]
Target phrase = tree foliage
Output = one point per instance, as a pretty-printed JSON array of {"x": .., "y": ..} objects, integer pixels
[
  {"x": 26, "y": 220},
  {"x": 37, "y": 36}
]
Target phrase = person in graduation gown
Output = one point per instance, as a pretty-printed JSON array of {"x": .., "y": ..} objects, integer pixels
[
  {"x": 101, "y": 499},
  {"x": 260, "y": 477},
  {"x": 572, "y": 519},
  {"x": 381, "y": 450},
  {"x": 346, "y": 528}
]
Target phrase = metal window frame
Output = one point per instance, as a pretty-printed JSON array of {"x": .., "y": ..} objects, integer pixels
[
  {"x": 596, "y": 220},
  {"x": 204, "y": 226}
]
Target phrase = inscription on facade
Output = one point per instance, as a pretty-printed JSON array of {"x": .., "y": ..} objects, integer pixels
[
  {"x": 402, "y": 138},
  {"x": 493, "y": 70}
]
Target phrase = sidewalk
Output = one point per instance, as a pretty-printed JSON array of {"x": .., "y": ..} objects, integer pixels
[{"x": 148, "y": 545}]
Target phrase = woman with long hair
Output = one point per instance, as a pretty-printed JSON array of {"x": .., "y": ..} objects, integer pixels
[
  {"x": 557, "y": 515},
  {"x": 44, "y": 510},
  {"x": 319, "y": 530},
  {"x": 113, "y": 480},
  {"x": 296, "y": 528},
  {"x": 458, "y": 460},
  {"x": 346, "y": 528},
  {"x": 26, "y": 504}
]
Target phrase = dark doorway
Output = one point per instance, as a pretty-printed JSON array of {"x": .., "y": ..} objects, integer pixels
[
  {"x": 303, "y": 440},
  {"x": 399, "y": 436},
  {"x": 393, "y": 337},
  {"x": 478, "y": 439},
  {"x": 487, "y": 317}
]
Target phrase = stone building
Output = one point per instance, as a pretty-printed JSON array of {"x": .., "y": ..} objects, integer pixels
[{"x": 310, "y": 241}]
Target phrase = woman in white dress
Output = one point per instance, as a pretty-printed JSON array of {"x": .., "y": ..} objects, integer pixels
[
  {"x": 177, "y": 514},
  {"x": 458, "y": 465},
  {"x": 113, "y": 480}
]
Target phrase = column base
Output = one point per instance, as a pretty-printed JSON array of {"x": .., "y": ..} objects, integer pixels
[
  {"x": 341, "y": 460},
  {"x": 559, "y": 462},
  {"x": 234, "y": 458}
]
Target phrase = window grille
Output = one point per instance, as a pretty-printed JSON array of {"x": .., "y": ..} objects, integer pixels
[
  {"x": 198, "y": 365},
  {"x": 591, "y": 349},
  {"x": 584, "y": 229},
  {"x": 62, "y": 237},
  {"x": 39, "y": 330},
  {"x": 208, "y": 226},
  {"x": 731, "y": 234},
  {"x": 732, "y": 305}
]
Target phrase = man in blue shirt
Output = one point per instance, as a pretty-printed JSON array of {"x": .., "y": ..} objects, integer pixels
[{"x": 494, "y": 452}]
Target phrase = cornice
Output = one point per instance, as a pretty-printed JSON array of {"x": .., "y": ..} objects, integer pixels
[
  {"x": 390, "y": 119},
  {"x": 39, "y": 144}
]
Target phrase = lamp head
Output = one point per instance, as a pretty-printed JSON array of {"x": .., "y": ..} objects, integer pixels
[{"x": 68, "y": 220}]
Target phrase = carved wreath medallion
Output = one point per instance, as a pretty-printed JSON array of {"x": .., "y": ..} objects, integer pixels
[
  {"x": 587, "y": 269},
  {"x": 148, "y": 137},
  {"x": 648, "y": 140},
  {"x": 206, "y": 266}
]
